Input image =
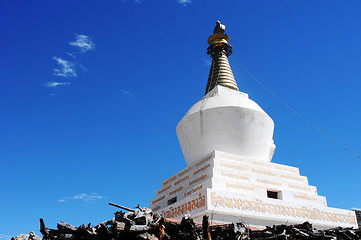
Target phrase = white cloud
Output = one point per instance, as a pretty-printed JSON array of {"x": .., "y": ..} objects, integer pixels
[
  {"x": 56, "y": 84},
  {"x": 125, "y": 92},
  {"x": 85, "y": 43},
  {"x": 135, "y": 1},
  {"x": 208, "y": 62},
  {"x": 184, "y": 2},
  {"x": 76, "y": 62},
  {"x": 71, "y": 55},
  {"x": 67, "y": 69},
  {"x": 83, "y": 197},
  {"x": 4, "y": 236}
]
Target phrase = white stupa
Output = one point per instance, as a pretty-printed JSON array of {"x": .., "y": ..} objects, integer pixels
[{"x": 227, "y": 142}]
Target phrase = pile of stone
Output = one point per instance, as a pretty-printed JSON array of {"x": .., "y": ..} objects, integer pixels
[
  {"x": 139, "y": 223},
  {"x": 304, "y": 231},
  {"x": 142, "y": 223},
  {"x": 30, "y": 236}
]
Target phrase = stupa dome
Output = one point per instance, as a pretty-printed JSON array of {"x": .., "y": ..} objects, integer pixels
[{"x": 225, "y": 119}]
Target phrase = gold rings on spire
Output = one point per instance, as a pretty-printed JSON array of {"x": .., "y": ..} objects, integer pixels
[
  {"x": 219, "y": 49},
  {"x": 218, "y": 39}
]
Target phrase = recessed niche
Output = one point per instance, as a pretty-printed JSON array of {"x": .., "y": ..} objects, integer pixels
[
  {"x": 273, "y": 194},
  {"x": 172, "y": 200}
]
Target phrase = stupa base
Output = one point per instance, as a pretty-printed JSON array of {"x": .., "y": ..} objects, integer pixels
[
  {"x": 232, "y": 188},
  {"x": 225, "y": 207}
]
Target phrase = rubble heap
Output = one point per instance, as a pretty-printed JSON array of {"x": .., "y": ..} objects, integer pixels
[
  {"x": 304, "y": 231},
  {"x": 142, "y": 223}
]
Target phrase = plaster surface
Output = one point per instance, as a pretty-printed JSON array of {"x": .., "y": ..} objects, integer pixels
[
  {"x": 226, "y": 120},
  {"x": 232, "y": 188}
]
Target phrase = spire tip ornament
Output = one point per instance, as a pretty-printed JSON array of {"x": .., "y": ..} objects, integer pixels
[
  {"x": 219, "y": 28},
  {"x": 219, "y": 39},
  {"x": 219, "y": 49}
]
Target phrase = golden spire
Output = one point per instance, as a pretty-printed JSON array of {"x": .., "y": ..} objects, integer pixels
[{"x": 219, "y": 49}]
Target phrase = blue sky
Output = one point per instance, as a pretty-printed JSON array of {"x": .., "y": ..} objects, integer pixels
[{"x": 91, "y": 93}]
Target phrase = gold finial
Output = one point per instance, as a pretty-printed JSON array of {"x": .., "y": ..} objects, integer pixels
[
  {"x": 219, "y": 28},
  {"x": 219, "y": 49},
  {"x": 219, "y": 40}
]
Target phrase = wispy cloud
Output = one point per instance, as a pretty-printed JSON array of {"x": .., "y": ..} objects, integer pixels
[
  {"x": 4, "y": 236},
  {"x": 185, "y": 2},
  {"x": 76, "y": 62},
  {"x": 56, "y": 84},
  {"x": 207, "y": 62},
  {"x": 67, "y": 69},
  {"x": 83, "y": 42},
  {"x": 83, "y": 197},
  {"x": 135, "y": 1},
  {"x": 71, "y": 55},
  {"x": 125, "y": 92}
]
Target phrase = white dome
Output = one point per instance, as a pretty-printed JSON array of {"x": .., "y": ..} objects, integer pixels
[{"x": 226, "y": 120}]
